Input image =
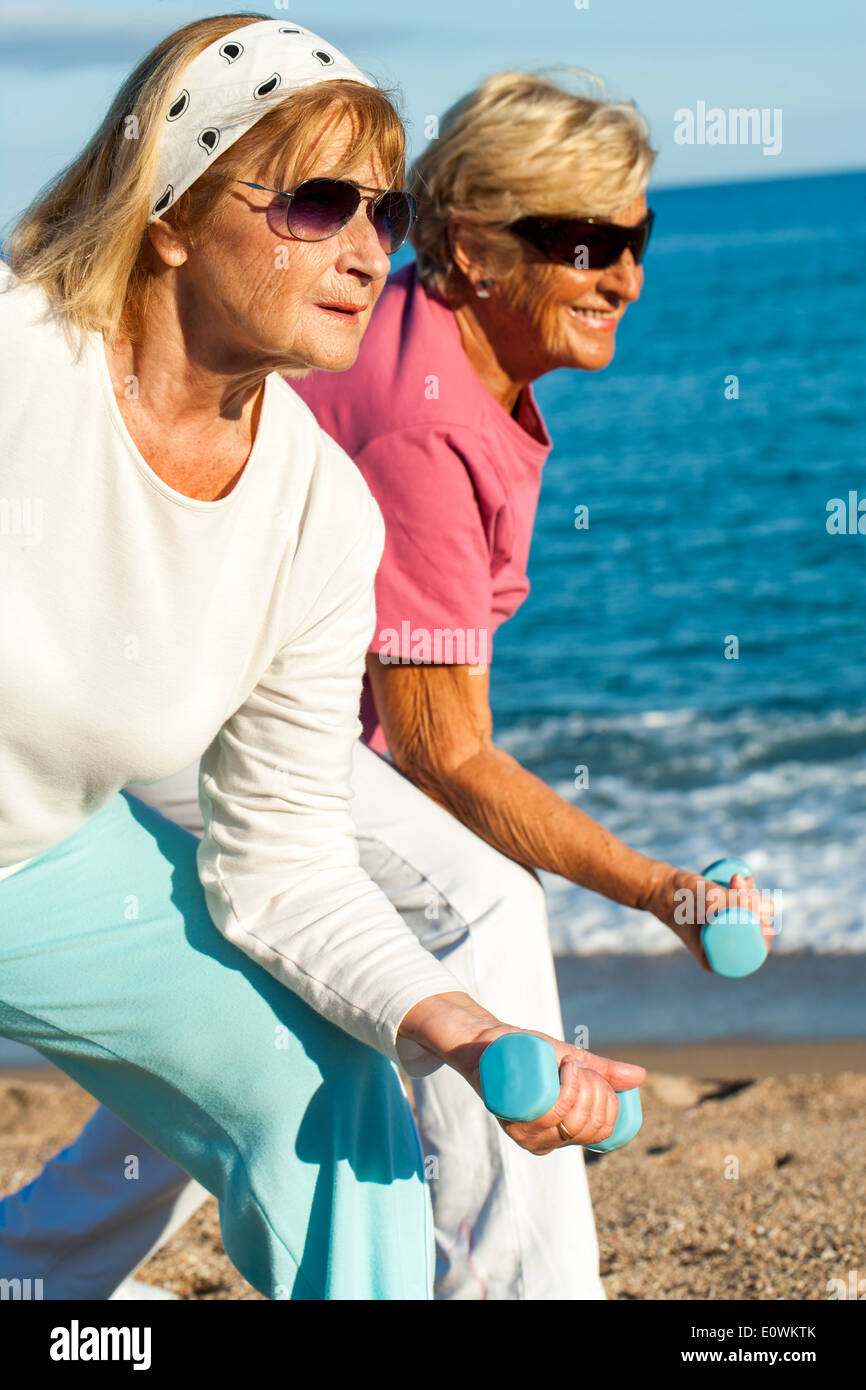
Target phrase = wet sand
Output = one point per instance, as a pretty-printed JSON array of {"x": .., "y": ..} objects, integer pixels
[
  {"x": 748, "y": 1179},
  {"x": 746, "y": 1057}
]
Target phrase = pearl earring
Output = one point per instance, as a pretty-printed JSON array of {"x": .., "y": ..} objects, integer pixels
[{"x": 482, "y": 289}]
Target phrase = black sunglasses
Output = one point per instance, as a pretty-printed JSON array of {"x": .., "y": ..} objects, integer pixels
[
  {"x": 320, "y": 208},
  {"x": 585, "y": 242}
]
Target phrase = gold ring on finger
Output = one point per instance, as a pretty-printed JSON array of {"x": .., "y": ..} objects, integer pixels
[{"x": 563, "y": 1132}]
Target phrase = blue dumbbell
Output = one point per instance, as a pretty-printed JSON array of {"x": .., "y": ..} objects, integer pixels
[
  {"x": 520, "y": 1081},
  {"x": 733, "y": 940}
]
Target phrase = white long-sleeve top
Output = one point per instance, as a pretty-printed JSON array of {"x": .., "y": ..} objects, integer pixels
[{"x": 140, "y": 629}]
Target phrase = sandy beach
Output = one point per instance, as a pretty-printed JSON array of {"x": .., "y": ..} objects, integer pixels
[{"x": 748, "y": 1179}]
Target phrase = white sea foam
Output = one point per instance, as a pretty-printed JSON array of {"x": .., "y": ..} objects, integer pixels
[{"x": 784, "y": 790}]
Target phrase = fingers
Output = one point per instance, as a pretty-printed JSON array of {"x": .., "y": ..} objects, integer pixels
[
  {"x": 742, "y": 893},
  {"x": 590, "y": 1104},
  {"x": 748, "y": 896},
  {"x": 587, "y": 1106},
  {"x": 622, "y": 1076}
]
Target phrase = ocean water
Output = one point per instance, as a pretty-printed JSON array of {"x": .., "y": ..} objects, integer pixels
[{"x": 708, "y": 519}]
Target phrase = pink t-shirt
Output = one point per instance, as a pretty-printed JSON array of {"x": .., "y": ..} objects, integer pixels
[{"x": 457, "y": 479}]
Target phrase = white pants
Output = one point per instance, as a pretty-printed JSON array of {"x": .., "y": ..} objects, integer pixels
[{"x": 508, "y": 1225}]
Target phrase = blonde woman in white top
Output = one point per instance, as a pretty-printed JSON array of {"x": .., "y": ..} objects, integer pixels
[{"x": 188, "y": 571}]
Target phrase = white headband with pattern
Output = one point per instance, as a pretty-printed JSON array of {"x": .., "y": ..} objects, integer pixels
[{"x": 231, "y": 85}]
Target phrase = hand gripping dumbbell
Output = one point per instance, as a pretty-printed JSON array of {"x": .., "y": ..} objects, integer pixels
[
  {"x": 520, "y": 1081},
  {"x": 733, "y": 940}
]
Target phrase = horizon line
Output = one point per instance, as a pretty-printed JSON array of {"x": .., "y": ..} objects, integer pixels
[{"x": 845, "y": 171}]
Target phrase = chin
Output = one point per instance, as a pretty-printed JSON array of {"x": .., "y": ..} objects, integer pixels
[
  {"x": 594, "y": 363},
  {"x": 590, "y": 357},
  {"x": 337, "y": 357}
]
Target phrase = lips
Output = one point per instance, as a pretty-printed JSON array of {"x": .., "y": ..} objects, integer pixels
[
  {"x": 602, "y": 320},
  {"x": 339, "y": 308}
]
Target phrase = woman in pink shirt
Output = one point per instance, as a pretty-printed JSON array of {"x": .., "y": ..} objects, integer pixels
[{"x": 532, "y": 226}]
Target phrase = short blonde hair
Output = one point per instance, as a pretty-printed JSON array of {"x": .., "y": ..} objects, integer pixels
[
  {"x": 522, "y": 145},
  {"x": 84, "y": 238}
]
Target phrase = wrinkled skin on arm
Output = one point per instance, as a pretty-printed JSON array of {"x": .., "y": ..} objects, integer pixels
[{"x": 439, "y": 728}]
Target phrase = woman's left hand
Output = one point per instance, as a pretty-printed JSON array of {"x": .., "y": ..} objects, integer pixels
[{"x": 686, "y": 902}]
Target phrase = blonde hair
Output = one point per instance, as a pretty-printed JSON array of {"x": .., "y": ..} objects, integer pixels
[
  {"x": 84, "y": 237},
  {"x": 522, "y": 145}
]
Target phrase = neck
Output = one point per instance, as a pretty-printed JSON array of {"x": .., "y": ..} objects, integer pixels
[
  {"x": 194, "y": 411},
  {"x": 492, "y": 347},
  {"x": 186, "y": 377}
]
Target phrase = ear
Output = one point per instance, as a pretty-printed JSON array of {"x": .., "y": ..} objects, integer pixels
[
  {"x": 169, "y": 245},
  {"x": 465, "y": 249}
]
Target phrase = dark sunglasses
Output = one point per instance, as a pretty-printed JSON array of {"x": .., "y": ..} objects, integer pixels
[
  {"x": 320, "y": 208},
  {"x": 563, "y": 239}
]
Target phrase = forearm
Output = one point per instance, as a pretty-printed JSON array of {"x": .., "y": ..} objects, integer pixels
[
  {"x": 454, "y": 1027},
  {"x": 521, "y": 816}
]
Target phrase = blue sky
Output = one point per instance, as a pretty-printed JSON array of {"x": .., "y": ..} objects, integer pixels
[{"x": 60, "y": 63}]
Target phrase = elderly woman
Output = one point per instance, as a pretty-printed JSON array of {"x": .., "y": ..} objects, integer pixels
[
  {"x": 533, "y": 226},
  {"x": 200, "y": 586}
]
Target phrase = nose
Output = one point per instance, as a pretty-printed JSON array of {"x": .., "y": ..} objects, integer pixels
[
  {"x": 624, "y": 277},
  {"x": 361, "y": 249}
]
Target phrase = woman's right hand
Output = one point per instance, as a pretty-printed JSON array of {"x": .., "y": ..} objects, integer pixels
[
  {"x": 587, "y": 1104},
  {"x": 457, "y": 1029},
  {"x": 677, "y": 900}
]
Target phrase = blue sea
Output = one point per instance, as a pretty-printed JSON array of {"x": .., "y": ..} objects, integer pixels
[{"x": 707, "y": 521}]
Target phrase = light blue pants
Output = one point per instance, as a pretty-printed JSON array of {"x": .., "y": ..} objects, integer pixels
[
  {"x": 507, "y": 1225},
  {"x": 111, "y": 967}
]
